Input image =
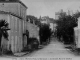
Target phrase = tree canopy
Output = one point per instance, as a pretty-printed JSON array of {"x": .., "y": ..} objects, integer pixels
[
  {"x": 33, "y": 19},
  {"x": 66, "y": 26}
]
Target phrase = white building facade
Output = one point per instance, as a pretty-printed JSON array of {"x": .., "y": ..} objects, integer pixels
[{"x": 15, "y": 14}]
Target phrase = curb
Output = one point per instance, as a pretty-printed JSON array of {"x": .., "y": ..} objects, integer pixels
[{"x": 21, "y": 54}]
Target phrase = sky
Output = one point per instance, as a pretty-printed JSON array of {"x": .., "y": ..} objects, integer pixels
[{"x": 49, "y": 7}]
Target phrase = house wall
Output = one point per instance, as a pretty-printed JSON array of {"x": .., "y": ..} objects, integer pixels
[
  {"x": 16, "y": 32},
  {"x": 17, "y": 25},
  {"x": 4, "y": 17},
  {"x": 51, "y": 26},
  {"x": 33, "y": 30},
  {"x": 77, "y": 34},
  {"x": 15, "y": 8},
  {"x": 15, "y": 42},
  {"x": 4, "y": 42}
]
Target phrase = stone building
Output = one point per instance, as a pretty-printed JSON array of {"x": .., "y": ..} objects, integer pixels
[
  {"x": 14, "y": 12},
  {"x": 77, "y": 34}
]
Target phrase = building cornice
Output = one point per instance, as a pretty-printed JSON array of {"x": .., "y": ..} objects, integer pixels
[{"x": 3, "y": 12}]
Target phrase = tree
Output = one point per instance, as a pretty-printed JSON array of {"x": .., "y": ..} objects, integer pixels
[
  {"x": 33, "y": 19},
  {"x": 3, "y": 30},
  {"x": 65, "y": 28},
  {"x": 44, "y": 33}
]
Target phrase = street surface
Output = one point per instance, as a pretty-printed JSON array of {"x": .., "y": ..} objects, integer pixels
[{"x": 53, "y": 50}]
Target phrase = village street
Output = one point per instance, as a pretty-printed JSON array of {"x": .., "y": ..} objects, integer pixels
[
  {"x": 26, "y": 26},
  {"x": 54, "y": 50}
]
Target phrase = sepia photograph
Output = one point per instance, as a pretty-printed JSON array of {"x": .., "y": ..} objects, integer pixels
[{"x": 39, "y": 29}]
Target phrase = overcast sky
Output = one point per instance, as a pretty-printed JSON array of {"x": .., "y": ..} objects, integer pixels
[{"x": 49, "y": 7}]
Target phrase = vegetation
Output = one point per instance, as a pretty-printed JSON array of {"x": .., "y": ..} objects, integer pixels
[
  {"x": 3, "y": 30},
  {"x": 65, "y": 28},
  {"x": 44, "y": 33},
  {"x": 33, "y": 20},
  {"x": 44, "y": 30}
]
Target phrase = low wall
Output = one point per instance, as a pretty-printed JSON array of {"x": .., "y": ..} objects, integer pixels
[{"x": 33, "y": 30}]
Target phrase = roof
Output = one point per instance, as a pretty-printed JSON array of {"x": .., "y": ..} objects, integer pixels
[{"x": 13, "y": 1}]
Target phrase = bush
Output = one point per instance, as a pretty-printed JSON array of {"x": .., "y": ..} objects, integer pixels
[
  {"x": 44, "y": 33},
  {"x": 33, "y": 43}
]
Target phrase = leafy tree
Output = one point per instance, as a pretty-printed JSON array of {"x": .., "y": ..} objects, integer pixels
[
  {"x": 33, "y": 19},
  {"x": 44, "y": 33},
  {"x": 65, "y": 28},
  {"x": 3, "y": 30}
]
